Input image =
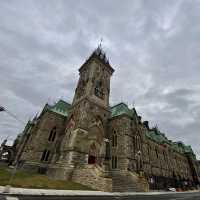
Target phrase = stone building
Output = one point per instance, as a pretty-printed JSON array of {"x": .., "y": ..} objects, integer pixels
[{"x": 107, "y": 148}]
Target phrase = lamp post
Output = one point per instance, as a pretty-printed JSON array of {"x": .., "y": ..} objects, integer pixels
[
  {"x": 2, "y": 109},
  {"x": 139, "y": 162}
]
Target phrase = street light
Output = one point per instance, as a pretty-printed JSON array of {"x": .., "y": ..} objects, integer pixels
[
  {"x": 12, "y": 115},
  {"x": 2, "y": 109}
]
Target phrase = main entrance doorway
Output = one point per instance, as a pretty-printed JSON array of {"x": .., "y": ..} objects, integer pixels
[
  {"x": 92, "y": 154},
  {"x": 91, "y": 159}
]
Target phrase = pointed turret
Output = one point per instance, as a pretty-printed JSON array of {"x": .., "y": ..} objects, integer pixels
[{"x": 100, "y": 55}]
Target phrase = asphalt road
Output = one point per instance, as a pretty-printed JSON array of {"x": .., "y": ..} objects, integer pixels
[{"x": 182, "y": 196}]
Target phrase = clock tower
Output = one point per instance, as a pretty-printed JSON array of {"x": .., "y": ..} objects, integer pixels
[{"x": 86, "y": 127}]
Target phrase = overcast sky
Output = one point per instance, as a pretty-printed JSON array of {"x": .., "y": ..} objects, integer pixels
[{"x": 153, "y": 45}]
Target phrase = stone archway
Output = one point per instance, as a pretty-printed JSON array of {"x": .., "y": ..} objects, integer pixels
[
  {"x": 96, "y": 150},
  {"x": 92, "y": 155}
]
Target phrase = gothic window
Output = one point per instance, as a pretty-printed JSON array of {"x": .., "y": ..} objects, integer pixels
[
  {"x": 149, "y": 150},
  {"x": 156, "y": 152},
  {"x": 45, "y": 155},
  {"x": 98, "y": 90},
  {"x": 114, "y": 140},
  {"x": 52, "y": 135},
  {"x": 114, "y": 162},
  {"x": 164, "y": 155}
]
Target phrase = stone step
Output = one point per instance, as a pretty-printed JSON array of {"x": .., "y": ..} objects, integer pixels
[{"x": 127, "y": 181}]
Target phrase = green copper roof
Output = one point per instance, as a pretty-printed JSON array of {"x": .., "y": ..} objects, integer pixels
[
  {"x": 155, "y": 135},
  {"x": 121, "y": 109},
  {"x": 61, "y": 107},
  {"x": 181, "y": 147}
]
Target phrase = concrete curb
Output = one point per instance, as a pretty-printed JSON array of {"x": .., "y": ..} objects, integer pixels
[{"x": 50, "y": 192}]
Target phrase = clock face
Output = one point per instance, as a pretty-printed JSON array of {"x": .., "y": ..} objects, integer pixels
[{"x": 98, "y": 90}]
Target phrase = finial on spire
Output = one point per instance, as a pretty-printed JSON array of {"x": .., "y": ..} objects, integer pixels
[
  {"x": 100, "y": 44},
  {"x": 99, "y": 52}
]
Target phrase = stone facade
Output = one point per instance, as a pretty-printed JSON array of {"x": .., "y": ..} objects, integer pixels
[{"x": 106, "y": 148}]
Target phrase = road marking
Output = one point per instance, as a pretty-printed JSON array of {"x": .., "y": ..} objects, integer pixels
[{"x": 12, "y": 198}]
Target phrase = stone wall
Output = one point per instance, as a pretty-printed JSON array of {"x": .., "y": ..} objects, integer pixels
[
  {"x": 38, "y": 140},
  {"x": 160, "y": 160},
  {"x": 93, "y": 177},
  {"x": 120, "y": 126}
]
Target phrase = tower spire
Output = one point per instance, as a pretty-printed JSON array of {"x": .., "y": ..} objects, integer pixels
[{"x": 100, "y": 44}]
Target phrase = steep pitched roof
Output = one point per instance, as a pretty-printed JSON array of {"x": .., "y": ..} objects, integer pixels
[
  {"x": 61, "y": 107},
  {"x": 157, "y": 136},
  {"x": 121, "y": 109},
  {"x": 100, "y": 55}
]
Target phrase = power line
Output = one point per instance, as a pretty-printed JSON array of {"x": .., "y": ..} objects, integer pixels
[{"x": 11, "y": 114}]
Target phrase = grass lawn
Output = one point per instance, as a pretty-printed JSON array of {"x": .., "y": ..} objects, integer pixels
[{"x": 32, "y": 180}]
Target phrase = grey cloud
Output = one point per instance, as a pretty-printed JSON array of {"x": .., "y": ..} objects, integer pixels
[{"x": 153, "y": 45}]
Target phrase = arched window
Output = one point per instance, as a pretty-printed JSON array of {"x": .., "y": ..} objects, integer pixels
[
  {"x": 156, "y": 152},
  {"x": 45, "y": 155},
  {"x": 164, "y": 155},
  {"x": 98, "y": 90},
  {"x": 114, "y": 162},
  {"x": 52, "y": 135},
  {"x": 114, "y": 139}
]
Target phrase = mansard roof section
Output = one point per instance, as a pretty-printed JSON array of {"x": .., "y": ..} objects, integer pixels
[
  {"x": 121, "y": 109},
  {"x": 181, "y": 147},
  {"x": 61, "y": 107},
  {"x": 151, "y": 133},
  {"x": 100, "y": 55},
  {"x": 159, "y": 137}
]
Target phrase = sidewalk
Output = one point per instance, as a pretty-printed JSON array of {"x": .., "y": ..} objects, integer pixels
[{"x": 23, "y": 191}]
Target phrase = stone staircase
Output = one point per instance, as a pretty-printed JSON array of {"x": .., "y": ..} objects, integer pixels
[
  {"x": 126, "y": 181},
  {"x": 92, "y": 176}
]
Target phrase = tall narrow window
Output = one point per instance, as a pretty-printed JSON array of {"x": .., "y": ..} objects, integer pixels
[
  {"x": 47, "y": 156},
  {"x": 157, "y": 153},
  {"x": 164, "y": 155},
  {"x": 114, "y": 140},
  {"x": 43, "y": 155},
  {"x": 114, "y": 162},
  {"x": 52, "y": 135}
]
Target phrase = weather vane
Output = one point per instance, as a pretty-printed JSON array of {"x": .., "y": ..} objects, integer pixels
[{"x": 101, "y": 41}]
